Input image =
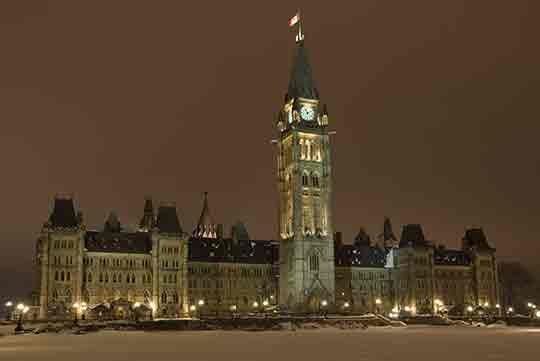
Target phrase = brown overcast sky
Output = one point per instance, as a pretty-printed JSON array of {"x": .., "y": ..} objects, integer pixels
[{"x": 435, "y": 104}]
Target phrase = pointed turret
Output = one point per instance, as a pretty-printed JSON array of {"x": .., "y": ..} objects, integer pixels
[
  {"x": 301, "y": 83},
  {"x": 148, "y": 219},
  {"x": 206, "y": 228},
  {"x": 362, "y": 239},
  {"x": 239, "y": 232},
  {"x": 63, "y": 214},
  {"x": 167, "y": 219},
  {"x": 112, "y": 224},
  {"x": 387, "y": 239}
]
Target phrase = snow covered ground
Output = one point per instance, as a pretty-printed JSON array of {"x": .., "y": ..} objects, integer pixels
[{"x": 416, "y": 343}]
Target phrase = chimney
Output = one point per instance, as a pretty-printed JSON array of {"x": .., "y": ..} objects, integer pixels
[{"x": 219, "y": 231}]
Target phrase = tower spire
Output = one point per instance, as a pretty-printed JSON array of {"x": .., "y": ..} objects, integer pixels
[
  {"x": 206, "y": 228},
  {"x": 300, "y": 35}
]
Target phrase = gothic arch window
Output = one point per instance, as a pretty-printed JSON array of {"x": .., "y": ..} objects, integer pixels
[
  {"x": 132, "y": 278},
  {"x": 170, "y": 279},
  {"x": 302, "y": 149},
  {"x": 314, "y": 262},
  {"x": 101, "y": 278},
  {"x": 68, "y": 278},
  {"x": 305, "y": 180},
  {"x": 62, "y": 276},
  {"x": 106, "y": 278},
  {"x": 147, "y": 297},
  {"x": 68, "y": 296},
  {"x": 56, "y": 276},
  {"x": 315, "y": 180},
  {"x": 309, "y": 148},
  {"x": 114, "y": 277},
  {"x": 163, "y": 297},
  {"x": 175, "y": 297},
  {"x": 89, "y": 277}
]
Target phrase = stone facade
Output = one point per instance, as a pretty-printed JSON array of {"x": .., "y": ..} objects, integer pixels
[{"x": 162, "y": 271}]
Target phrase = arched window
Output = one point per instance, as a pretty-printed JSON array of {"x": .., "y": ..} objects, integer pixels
[
  {"x": 170, "y": 279},
  {"x": 114, "y": 277},
  {"x": 101, "y": 277},
  {"x": 305, "y": 180},
  {"x": 69, "y": 276},
  {"x": 89, "y": 277},
  {"x": 106, "y": 278},
  {"x": 62, "y": 276},
  {"x": 175, "y": 297},
  {"x": 132, "y": 278},
  {"x": 163, "y": 297},
  {"x": 56, "y": 276},
  {"x": 315, "y": 180},
  {"x": 314, "y": 263}
]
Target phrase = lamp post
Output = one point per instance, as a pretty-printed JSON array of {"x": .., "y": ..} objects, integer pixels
[
  {"x": 378, "y": 303},
  {"x": 76, "y": 307},
  {"x": 469, "y": 311},
  {"x": 201, "y": 304},
  {"x": 8, "y": 305},
  {"x": 324, "y": 303},
  {"x": 346, "y": 306},
  {"x": 22, "y": 310},
  {"x": 136, "y": 306},
  {"x": 153, "y": 308},
  {"x": 498, "y": 307}
]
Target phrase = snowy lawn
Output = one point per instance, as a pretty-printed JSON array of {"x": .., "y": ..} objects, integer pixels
[{"x": 415, "y": 343}]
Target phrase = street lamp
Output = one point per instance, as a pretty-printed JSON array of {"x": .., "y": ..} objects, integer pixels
[
  {"x": 76, "y": 306},
  {"x": 324, "y": 303},
  {"x": 265, "y": 303},
  {"x": 378, "y": 303},
  {"x": 136, "y": 306},
  {"x": 22, "y": 310},
  {"x": 153, "y": 308},
  {"x": 8, "y": 305}
]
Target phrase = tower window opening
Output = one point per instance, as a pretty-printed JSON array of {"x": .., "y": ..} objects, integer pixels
[
  {"x": 314, "y": 263},
  {"x": 305, "y": 180}
]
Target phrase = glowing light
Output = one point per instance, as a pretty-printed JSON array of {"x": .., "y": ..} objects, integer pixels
[
  {"x": 192, "y": 308},
  {"x": 413, "y": 308},
  {"x": 470, "y": 309},
  {"x": 510, "y": 309},
  {"x": 265, "y": 303},
  {"x": 136, "y": 305},
  {"x": 9, "y": 304},
  {"x": 395, "y": 309},
  {"x": 324, "y": 303},
  {"x": 407, "y": 308},
  {"x": 25, "y": 309},
  {"x": 486, "y": 304},
  {"x": 76, "y": 306},
  {"x": 201, "y": 302},
  {"x": 346, "y": 305},
  {"x": 497, "y": 306},
  {"x": 438, "y": 302},
  {"x": 152, "y": 306},
  {"x": 20, "y": 306},
  {"x": 378, "y": 301},
  {"x": 255, "y": 304},
  {"x": 538, "y": 314},
  {"x": 529, "y": 304},
  {"x": 233, "y": 308}
]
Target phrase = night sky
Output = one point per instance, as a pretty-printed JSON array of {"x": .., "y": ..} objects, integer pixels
[{"x": 435, "y": 104}]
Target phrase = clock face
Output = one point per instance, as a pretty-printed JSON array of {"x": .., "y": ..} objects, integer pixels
[{"x": 307, "y": 113}]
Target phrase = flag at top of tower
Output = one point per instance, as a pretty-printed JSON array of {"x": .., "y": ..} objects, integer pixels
[{"x": 295, "y": 19}]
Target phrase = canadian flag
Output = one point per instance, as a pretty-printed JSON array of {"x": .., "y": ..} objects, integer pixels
[{"x": 294, "y": 20}]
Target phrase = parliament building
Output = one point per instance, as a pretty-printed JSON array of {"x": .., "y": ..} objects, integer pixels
[{"x": 162, "y": 270}]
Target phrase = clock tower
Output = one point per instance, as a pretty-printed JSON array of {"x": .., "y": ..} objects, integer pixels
[{"x": 305, "y": 193}]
